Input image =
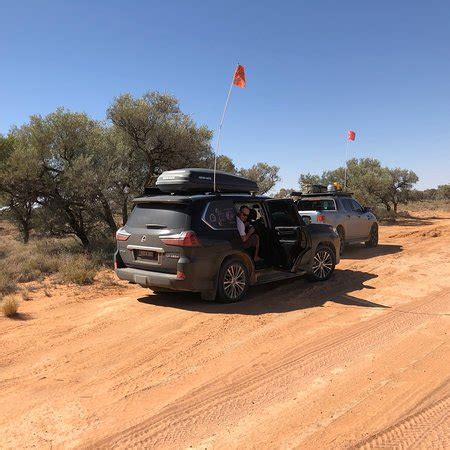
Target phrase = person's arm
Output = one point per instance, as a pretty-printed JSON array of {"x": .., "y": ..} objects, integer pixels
[
  {"x": 248, "y": 234},
  {"x": 245, "y": 236}
]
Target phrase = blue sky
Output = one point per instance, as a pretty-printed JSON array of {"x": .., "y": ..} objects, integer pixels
[{"x": 314, "y": 70}]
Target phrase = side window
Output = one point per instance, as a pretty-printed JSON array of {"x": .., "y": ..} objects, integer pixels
[
  {"x": 356, "y": 206},
  {"x": 220, "y": 215},
  {"x": 347, "y": 204},
  {"x": 281, "y": 214}
]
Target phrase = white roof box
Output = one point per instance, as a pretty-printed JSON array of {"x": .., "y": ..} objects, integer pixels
[{"x": 202, "y": 180}]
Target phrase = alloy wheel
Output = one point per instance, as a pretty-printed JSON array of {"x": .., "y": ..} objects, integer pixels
[
  {"x": 234, "y": 281},
  {"x": 322, "y": 264}
]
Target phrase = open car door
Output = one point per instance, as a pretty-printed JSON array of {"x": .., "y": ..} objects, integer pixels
[{"x": 286, "y": 232}]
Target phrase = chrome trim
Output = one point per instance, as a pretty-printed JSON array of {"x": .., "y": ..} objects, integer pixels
[{"x": 141, "y": 247}]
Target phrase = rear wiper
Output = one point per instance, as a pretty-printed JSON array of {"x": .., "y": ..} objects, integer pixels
[{"x": 155, "y": 225}]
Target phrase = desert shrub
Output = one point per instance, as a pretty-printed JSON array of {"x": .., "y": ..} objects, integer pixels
[
  {"x": 9, "y": 306},
  {"x": 78, "y": 269},
  {"x": 7, "y": 282}
]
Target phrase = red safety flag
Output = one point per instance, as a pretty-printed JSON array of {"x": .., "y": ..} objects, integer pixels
[
  {"x": 351, "y": 135},
  {"x": 239, "y": 76}
]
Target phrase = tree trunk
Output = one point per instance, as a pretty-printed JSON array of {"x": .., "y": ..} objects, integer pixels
[
  {"x": 124, "y": 211},
  {"x": 108, "y": 215},
  {"x": 395, "y": 207},
  {"x": 78, "y": 228}
]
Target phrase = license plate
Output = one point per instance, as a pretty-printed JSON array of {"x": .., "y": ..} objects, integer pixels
[{"x": 147, "y": 255}]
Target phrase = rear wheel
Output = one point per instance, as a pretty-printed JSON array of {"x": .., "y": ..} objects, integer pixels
[
  {"x": 322, "y": 264},
  {"x": 233, "y": 281},
  {"x": 373, "y": 236}
]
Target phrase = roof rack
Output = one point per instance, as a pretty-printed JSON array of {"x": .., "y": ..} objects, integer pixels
[{"x": 324, "y": 194}]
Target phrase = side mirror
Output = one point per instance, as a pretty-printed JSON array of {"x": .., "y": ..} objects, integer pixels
[{"x": 367, "y": 209}]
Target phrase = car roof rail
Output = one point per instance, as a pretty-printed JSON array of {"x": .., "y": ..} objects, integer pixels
[{"x": 329, "y": 194}]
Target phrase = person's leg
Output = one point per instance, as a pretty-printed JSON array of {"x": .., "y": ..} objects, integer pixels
[{"x": 254, "y": 242}]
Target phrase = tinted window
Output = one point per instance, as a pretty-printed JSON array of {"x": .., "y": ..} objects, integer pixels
[
  {"x": 347, "y": 204},
  {"x": 159, "y": 216},
  {"x": 316, "y": 205},
  {"x": 220, "y": 215},
  {"x": 282, "y": 215},
  {"x": 356, "y": 206}
]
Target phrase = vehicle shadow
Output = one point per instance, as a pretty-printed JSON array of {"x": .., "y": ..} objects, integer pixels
[
  {"x": 408, "y": 222},
  {"x": 279, "y": 297},
  {"x": 360, "y": 251}
]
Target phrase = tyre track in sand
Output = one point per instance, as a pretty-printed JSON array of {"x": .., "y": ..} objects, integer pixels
[
  {"x": 226, "y": 399},
  {"x": 428, "y": 428}
]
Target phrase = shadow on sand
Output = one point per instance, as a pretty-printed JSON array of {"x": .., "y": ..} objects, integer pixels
[
  {"x": 360, "y": 251},
  {"x": 279, "y": 297}
]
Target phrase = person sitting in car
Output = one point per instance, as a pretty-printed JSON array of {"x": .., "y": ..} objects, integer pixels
[{"x": 249, "y": 237}]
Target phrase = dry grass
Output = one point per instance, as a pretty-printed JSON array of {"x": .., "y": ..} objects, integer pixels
[
  {"x": 20, "y": 263},
  {"x": 7, "y": 283},
  {"x": 9, "y": 306},
  {"x": 25, "y": 293},
  {"x": 429, "y": 205},
  {"x": 78, "y": 269}
]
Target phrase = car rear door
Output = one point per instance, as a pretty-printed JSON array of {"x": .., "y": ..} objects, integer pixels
[
  {"x": 285, "y": 231},
  {"x": 147, "y": 224}
]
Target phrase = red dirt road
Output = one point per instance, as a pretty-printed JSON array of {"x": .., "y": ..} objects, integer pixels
[{"x": 359, "y": 361}]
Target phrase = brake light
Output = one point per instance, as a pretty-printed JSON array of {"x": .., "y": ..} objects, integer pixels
[
  {"x": 320, "y": 218},
  {"x": 122, "y": 235},
  {"x": 181, "y": 275},
  {"x": 183, "y": 239}
]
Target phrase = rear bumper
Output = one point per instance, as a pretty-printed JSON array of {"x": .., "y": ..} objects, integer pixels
[{"x": 147, "y": 278}]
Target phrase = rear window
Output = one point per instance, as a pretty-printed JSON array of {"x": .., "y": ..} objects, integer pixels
[
  {"x": 154, "y": 215},
  {"x": 316, "y": 205}
]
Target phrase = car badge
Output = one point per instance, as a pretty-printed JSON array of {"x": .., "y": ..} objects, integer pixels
[{"x": 143, "y": 238}]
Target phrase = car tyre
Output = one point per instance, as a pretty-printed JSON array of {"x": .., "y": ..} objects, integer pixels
[
  {"x": 373, "y": 236},
  {"x": 322, "y": 264},
  {"x": 341, "y": 234},
  {"x": 233, "y": 281}
]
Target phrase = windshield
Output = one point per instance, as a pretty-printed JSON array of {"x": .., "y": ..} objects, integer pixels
[{"x": 316, "y": 205}]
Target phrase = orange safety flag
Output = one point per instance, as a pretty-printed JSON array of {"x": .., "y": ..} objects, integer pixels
[
  {"x": 239, "y": 76},
  {"x": 351, "y": 135}
]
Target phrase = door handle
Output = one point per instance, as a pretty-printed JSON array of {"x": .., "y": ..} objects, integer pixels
[{"x": 348, "y": 215}]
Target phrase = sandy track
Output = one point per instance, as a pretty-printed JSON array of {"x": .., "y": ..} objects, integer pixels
[{"x": 360, "y": 361}]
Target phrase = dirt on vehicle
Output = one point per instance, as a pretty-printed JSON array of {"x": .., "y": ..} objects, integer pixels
[{"x": 358, "y": 361}]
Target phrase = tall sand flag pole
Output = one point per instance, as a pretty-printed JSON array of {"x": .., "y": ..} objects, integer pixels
[
  {"x": 238, "y": 80},
  {"x": 351, "y": 135}
]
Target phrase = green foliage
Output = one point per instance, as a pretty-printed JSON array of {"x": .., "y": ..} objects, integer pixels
[
  {"x": 158, "y": 135},
  {"x": 372, "y": 184},
  {"x": 265, "y": 175},
  {"x": 283, "y": 193}
]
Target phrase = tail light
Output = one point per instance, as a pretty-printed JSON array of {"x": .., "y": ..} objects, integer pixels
[
  {"x": 321, "y": 218},
  {"x": 181, "y": 275},
  {"x": 183, "y": 239},
  {"x": 122, "y": 235}
]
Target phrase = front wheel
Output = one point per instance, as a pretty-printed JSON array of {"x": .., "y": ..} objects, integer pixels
[
  {"x": 323, "y": 263},
  {"x": 233, "y": 281},
  {"x": 373, "y": 236}
]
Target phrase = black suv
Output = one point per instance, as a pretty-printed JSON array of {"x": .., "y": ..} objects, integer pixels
[{"x": 189, "y": 240}]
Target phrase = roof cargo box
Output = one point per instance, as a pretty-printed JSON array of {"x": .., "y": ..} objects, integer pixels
[{"x": 202, "y": 180}]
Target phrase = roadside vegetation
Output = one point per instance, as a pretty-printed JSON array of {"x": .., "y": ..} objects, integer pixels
[{"x": 67, "y": 181}]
